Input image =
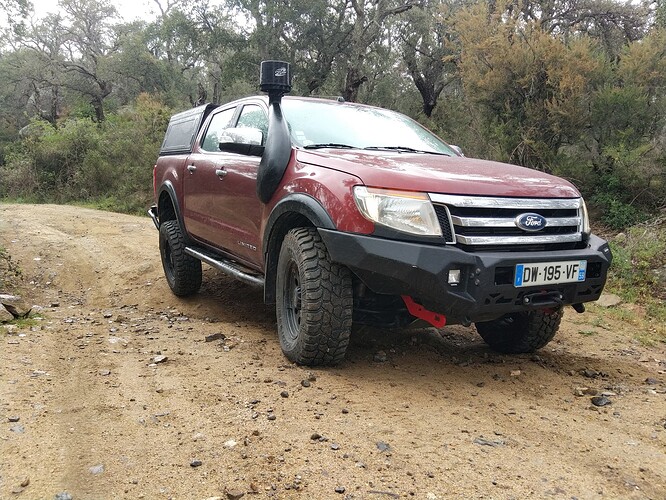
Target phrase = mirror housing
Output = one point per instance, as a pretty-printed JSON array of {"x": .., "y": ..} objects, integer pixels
[
  {"x": 457, "y": 149},
  {"x": 243, "y": 135},
  {"x": 244, "y": 140}
]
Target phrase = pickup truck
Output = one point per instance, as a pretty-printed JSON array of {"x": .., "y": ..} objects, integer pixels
[{"x": 350, "y": 214}]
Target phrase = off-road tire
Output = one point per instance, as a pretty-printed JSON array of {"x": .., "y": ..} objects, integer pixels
[
  {"x": 314, "y": 301},
  {"x": 182, "y": 271},
  {"x": 521, "y": 332}
]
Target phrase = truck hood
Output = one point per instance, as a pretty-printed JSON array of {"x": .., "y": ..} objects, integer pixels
[{"x": 440, "y": 174}]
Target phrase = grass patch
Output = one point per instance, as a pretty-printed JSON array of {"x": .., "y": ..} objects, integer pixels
[
  {"x": 648, "y": 329},
  {"x": 22, "y": 323},
  {"x": 639, "y": 262},
  {"x": 131, "y": 205},
  {"x": 638, "y": 275},
  {"x": 600, "y": 323}
]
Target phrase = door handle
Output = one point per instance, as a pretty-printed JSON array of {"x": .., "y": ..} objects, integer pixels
[
  {"x": 192, "y": 168},
  {"x": 221, "y": 173}
]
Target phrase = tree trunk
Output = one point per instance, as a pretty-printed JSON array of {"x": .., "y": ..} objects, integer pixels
[
  {"x": 353, "y": 81},
  {"x": 98, "y": 106}
]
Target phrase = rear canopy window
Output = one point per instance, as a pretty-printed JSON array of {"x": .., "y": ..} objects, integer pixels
[
  {"x": 183, "y": 128},
  {"x": 179, "y": 135}
]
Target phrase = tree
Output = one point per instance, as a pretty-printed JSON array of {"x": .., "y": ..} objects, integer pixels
[
  {"x": 312, "y": 34},
  {"x": 626, "y": 144},
  {"x": 428, "y": 50},
  {"x": 660, "y": 14},
  {"x": 611, "y": 22},
  {"x": 15, "y": 12},
  {"x": 90, "y": 40},
  {"x": 368, "y": 18},
  {"x": 40, "y": 50},
  {"x": 532, "y": 86}
]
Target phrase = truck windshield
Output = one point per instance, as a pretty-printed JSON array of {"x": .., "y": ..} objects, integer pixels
[{"x": 322, "y": 124}]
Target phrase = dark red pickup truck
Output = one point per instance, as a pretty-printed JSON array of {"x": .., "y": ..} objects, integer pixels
[{"x": 346, "y": 213}]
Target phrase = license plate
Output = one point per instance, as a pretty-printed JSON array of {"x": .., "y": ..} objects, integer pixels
[{"x": 548, "y": 273}]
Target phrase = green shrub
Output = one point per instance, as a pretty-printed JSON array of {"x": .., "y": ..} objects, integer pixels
[
  {"x": 616, "y": 214},
  {"x": 107, "y": 165},
  {"x": 639, "y": 263}
]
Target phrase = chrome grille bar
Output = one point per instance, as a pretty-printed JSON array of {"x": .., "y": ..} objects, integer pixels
[
  {"x": 491, "y": 221},
  {"x": 509, "y": 221},
  {"x": 518, "y": 240},
  {"x": 490, "y": 202}
]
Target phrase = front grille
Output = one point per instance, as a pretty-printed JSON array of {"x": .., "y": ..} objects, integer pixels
[{"x": 487, "y": 223}]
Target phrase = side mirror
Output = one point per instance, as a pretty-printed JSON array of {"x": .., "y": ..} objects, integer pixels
[
  {"x": 243, "y": 140},
  {"x": 457, "y": 149}
]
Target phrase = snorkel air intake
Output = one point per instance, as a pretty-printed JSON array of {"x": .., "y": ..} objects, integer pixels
[{"x": 275, "y": 80}]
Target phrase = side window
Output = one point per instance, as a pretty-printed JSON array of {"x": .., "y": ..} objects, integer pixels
[
  {"x": 220, "y": 121},
  {"x": 253, "y": 116}
]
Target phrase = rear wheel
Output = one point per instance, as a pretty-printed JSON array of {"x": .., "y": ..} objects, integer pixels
[
  {"x": 314, "y": 301},
  {"x": 182, "y": 271},
  {"x": 521, "y": 332}
]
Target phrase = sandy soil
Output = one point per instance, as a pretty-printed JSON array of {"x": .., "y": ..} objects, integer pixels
[{"x": 225, "y": 415}]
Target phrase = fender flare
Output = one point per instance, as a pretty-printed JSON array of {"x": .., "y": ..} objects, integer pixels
[
  {"x": 301, "y": 204},
  {"x": 280, "y": 221},
  {"x": 168, "y": 188}
]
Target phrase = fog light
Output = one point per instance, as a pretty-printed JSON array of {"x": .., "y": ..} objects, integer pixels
[{"x": 454, "y": 277}]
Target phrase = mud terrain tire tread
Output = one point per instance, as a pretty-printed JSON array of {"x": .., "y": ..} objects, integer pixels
[
  {"x": 182, "y": 271},
  {"x": 521, "y": 332},
  {"x": 316, "y": 331}
]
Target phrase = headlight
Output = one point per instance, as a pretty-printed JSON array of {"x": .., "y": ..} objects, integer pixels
[
  {"x": 400, "y": 210},
  {"x": 585, "y": 229}
]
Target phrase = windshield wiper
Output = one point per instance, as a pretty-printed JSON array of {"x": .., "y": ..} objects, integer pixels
[
  {"x": 406, "y": 149},
  {"x": 329, "y": 145}
]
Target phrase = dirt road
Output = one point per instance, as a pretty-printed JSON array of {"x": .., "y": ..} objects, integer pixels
[{"x": 125, "y": 391}]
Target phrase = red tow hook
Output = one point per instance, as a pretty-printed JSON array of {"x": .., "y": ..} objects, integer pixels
[{"x": 417, "y": 310}]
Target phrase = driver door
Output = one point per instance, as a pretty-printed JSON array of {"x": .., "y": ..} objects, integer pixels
[{"x": 221, "y": 205}]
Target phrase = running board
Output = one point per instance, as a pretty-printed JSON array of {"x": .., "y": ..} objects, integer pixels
[{"x": 226, "y": 266}]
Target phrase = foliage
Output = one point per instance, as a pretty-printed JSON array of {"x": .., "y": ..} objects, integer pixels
[
  {"x": 84, "y": 161},
  {"x": 639, "y": 262},
  {"x": 531, "y": 87},
  {"x": 638, "y": 274}
]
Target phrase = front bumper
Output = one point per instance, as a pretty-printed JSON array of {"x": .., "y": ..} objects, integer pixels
[{"x": 486, "y": 289}]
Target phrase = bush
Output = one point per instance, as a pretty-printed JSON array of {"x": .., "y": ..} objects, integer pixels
[
  {"x": 109, "y": 164},
  {"x": 639, "y": 262},
  {"x": 616, "y": 214}
]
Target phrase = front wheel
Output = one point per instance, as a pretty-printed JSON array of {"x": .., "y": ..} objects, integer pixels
[
  {"x": 182, "y": 271},
  {"x": 521, "y": 332},
  {"x": 314, "y": 301}
]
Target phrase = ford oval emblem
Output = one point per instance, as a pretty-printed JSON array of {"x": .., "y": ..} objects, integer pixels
[{"x": 530, "y": 222}]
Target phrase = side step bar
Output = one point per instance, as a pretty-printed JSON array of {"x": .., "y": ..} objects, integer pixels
[
  {"x": 227, "y": 266},
  {"x": 152, "y": 212}
]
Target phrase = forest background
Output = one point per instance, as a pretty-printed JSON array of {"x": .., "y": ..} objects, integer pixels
[{"x": 576, "y": 88}]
